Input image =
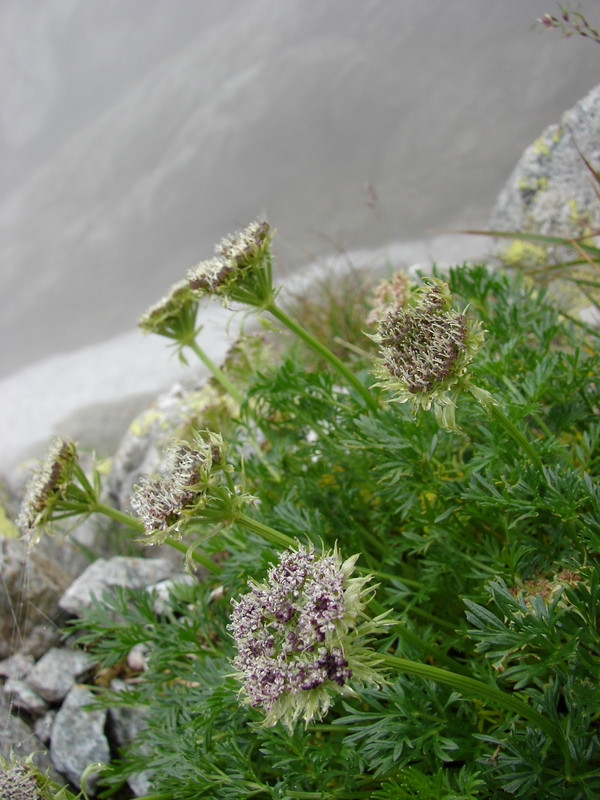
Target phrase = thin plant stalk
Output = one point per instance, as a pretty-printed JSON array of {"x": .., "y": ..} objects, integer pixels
[
  {"x": 268, "y": 533},
  {"x": 324, "y": 352},
  {"x": 511, "y": 429},
  {"x": 417, "y": 641},
  {"x": 485, "y": 691},
  {"x": 216, "y": 371},
  {"x": 234, "y": 392},
  {"x": 126, "y": 519}
]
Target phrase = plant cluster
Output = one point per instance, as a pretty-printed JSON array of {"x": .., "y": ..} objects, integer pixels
[
  {"x": 401, "y": 587},
  {"x": 570, "y": 23}
]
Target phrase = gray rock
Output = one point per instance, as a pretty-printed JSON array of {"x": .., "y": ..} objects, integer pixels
[
  {"x": 31, "y": 584},
  {"x": 170, "y": 416},
  {"x": 551, "y": 191},
  {"x": 22, "y": 696},
  {"x": 57, "y": 671},
  {"x": 127, "y": 724},
  {"x": 162, "y": 591},
  {"x": 42, "y": 727},
  {"x": 16, "y": 666},
  {"x": 42, "y": 638},
  {"x": 17, "y": 737},
  {"x": 77, "y": 738},
  {"x": 103, "y": 574},
  {"x": 137, "y": 657}
]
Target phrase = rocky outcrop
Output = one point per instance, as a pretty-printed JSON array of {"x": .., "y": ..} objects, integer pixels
[{"x": 553, "y": 191}]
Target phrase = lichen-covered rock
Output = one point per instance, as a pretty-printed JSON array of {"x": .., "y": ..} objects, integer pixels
[
  {"x": 22, "y": 696},
  {"x": 203, "y": 404},
  {"x": 551, "y": 191},
  {"x": 173, "y": 415},
  {"x": 16, "y": 666},
  {"x": 127, "y": 724}
]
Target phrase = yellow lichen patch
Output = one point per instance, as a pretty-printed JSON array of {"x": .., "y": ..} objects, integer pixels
[
  {"x": 142, "y": 424},
  {"x": 582, "y": 221},
  {"x": 540, "y": 146},
  {"x": 545, "y": 143},
  {"x": 8, "y": 530},
  {"x": 520, "y": 253},
  {"x": 533, "y": 186}
]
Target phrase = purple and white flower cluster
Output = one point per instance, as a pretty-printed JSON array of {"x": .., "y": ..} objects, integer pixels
[{"x": 297, "y": 635}]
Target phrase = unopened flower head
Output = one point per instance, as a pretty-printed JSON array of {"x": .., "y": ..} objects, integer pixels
[
  {"x": 162, "y": 503},
  {"x": 388, "y": 295},
  {"x": 245, "y": 247},
  {"x": 425, "y": 349},
  {"x": 299, "y": 637},
  {"x": 18, "y": 781},
  {"x": 214, "y": 276},
  {"x": 240, "y": 269},
  {"x": 174, "y": 315},
  {"x": 48, "y": 484}
]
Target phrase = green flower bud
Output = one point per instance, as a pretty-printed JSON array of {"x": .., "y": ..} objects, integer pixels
[
  {"x": 166, "y": 502},
  {"x": 240, "y": 271},
  {"x": 425, "y": 349},
  {"x": 47, "y": 488},
  {"x": 174, "y": 316}
]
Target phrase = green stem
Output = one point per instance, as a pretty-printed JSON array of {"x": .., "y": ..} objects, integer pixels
[
  {"x": 433, "y": 650},
  {"x": 199, "y": 558},
  {"x": 388, "y": 576},
  {"x": 485, "y": 691},
  {"x": 408, "y": 636},
  {"x": 217, "y": 372},
  {"x": 268, "y": 533},
  {"x": 500, "y": 417},
  {"x": 220, "y": 376},
  {"x": 161, "y": 796},
  {"x": 119, "y": 516},
  {"x": 324, "y": 352},
  {"x": 83, "y": 480},
  {"x": 137, "y": 525},
  {"x": 536, "y": 417}
]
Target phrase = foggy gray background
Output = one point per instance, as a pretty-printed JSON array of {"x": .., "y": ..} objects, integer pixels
[{"x": 137, "y": 133}]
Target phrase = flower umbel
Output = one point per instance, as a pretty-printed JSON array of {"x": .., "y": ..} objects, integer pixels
[
  {"x": 425, "y": 349},
  {"x": 188, "y": 489},
  {"x": 17, "y": 782},
  {"x": 240, "y": 269},
  {"x": 47, "y": 487},
  {"x": 174, "y": 316},
  {"x": 298, "y": 636}
]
